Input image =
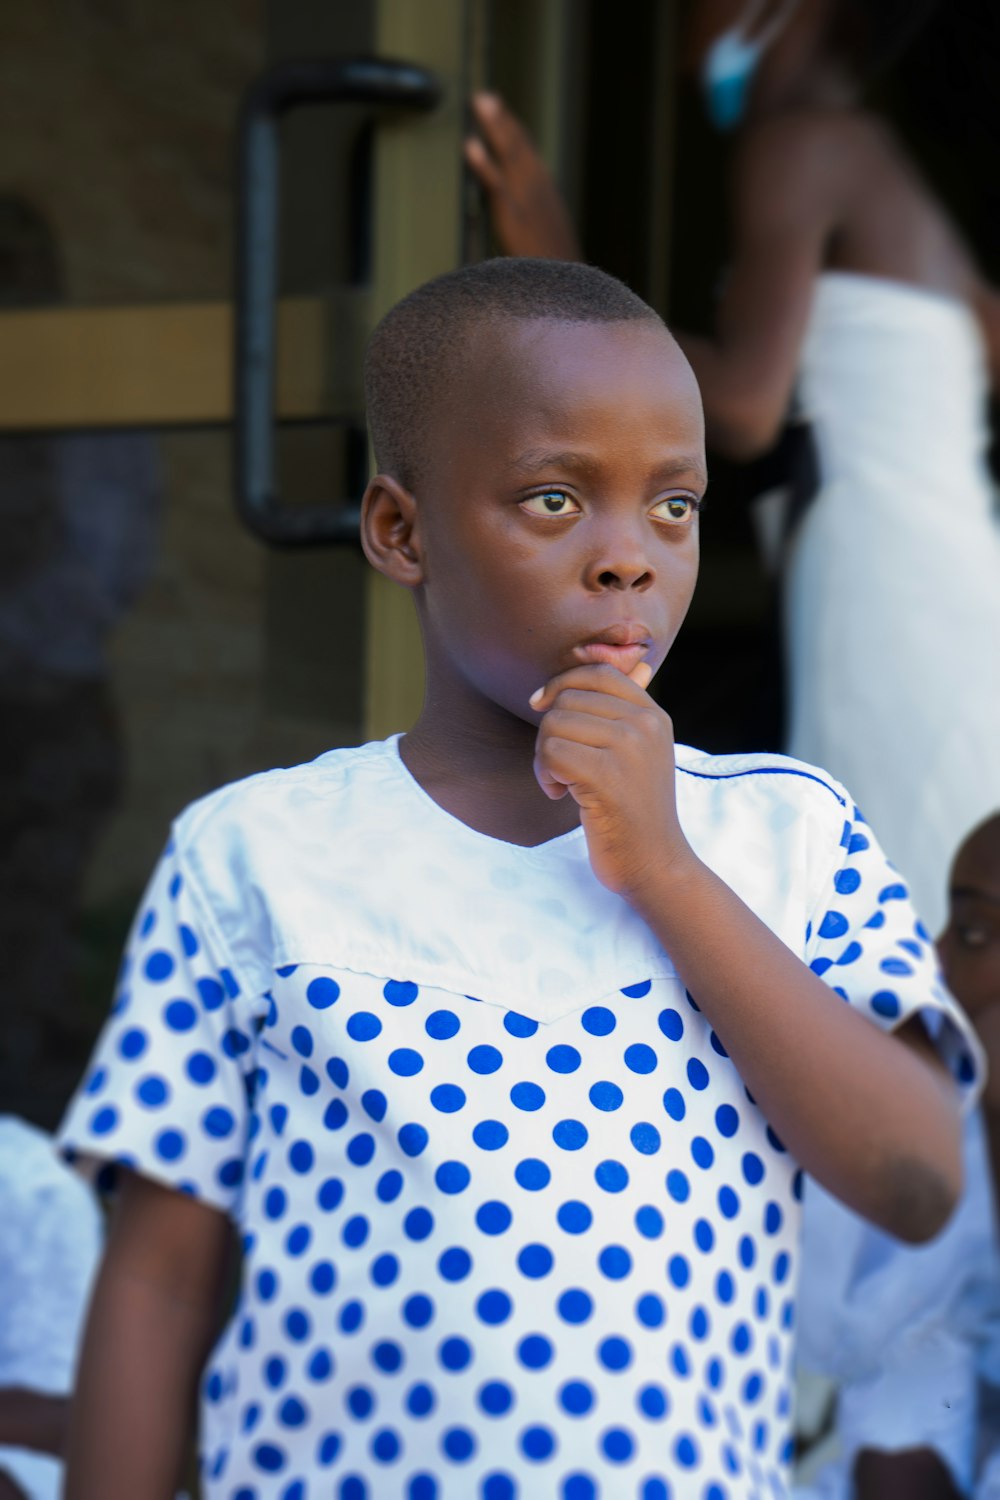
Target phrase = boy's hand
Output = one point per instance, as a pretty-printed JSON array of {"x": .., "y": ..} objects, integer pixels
[
  {"x": 603, "y": 740},
  {"x": 528, "y": 214}
]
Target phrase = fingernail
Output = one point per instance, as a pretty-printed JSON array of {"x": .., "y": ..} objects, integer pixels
[{"x": 536, "y": 697}]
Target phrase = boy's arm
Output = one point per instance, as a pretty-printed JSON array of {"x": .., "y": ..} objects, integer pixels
[
  {"x": 155, "y": 1310},
  {"x": 875, "y": 1121}
]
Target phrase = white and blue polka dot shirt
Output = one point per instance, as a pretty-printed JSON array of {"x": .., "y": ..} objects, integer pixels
[{"x": 512, "y": 1225}]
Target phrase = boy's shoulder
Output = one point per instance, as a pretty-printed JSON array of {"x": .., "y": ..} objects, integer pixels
[
  {"x": 285, "y": 796},
  {"x": 763, "y": 779}
]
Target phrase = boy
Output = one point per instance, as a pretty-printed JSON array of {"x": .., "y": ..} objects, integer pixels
[{"x": 414, "y": 1017}]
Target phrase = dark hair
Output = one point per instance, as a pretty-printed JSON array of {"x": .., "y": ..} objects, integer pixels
[{"x": 418, "y": 351}]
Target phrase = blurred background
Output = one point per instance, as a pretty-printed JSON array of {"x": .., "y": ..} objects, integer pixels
[{"x": 152, "y": 646}]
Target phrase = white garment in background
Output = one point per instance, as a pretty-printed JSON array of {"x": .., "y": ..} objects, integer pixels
[
  {"x": 892, "y": 595},
  {"x": 50, "y": 1239}
]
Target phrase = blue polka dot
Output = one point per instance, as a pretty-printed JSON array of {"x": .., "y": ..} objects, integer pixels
[
  {"x": 895, "y": 892},
  {"x": 673, "y": 1103},
  {"x": 374, "y": 1104},
  {"x": 495, "y": 1398},
  {"x": 420, "y": 1399},
  {"x": 355, "y": 1231},
  {"x": 575, "y": 1306},
  {"x": 412, "y": 1139},
  {"x": 455, "y": 1264},
  {"x": 104, "y": 1120},
  {"x": 649, "y": 1222},
  {"x": 484, "y": 1059},
  {"x": 405, "y": 1062},
  {"x": 218, "y": 1122},
  {"x": 537, "y": 1443},
  {"x": 361, "y": 1149},
  {"x": 563, "y": 1059},
  {"x": 153, "y": 1091},
  {"x": 614, "y": 1262},
  {"x": 535, "y": 1261},
  {"x": 679, "y": 1271},
  {"x": 384, "y": 1270},
  {"x": 653, "y": 1402},
  {"x": 579, "y": 1487},
  {"x": 605, "y": 1096},
  {"x": 833, "y": 925},
  {"x": 133, "y": 1043},
  {"x": 639, "y": 1058},
  {"x": 320, "y": 1368},
  {"x": 741, "y": 1339},
  {"x": 455, "y": 1353},
  {"x": 159, "y": 966},
  {"x": 598, "y": 1020},
  {"x": 611, "y": 1176},
  {"x": 678, "y": 1185},
  {"x": 753, "y": 1168},
  {"x": 671, "y": 1024},
  {"x": 725, "y": 1288},
  {"x": 322, "y": 1278},
  {"x": 452, "y": 1177},
  {"x": 532, "y": 1174},
  {"x": 518, "y": 1025},
  {"x": 170, "y": 1145},
  {"x": 448, "y": 1098},
  {"x": 493, "y": 1217},
  {"x": 400, "y": 992},
  {"x": 574, "y": 1217},
  {"x": 576, "y": 1398},
  {"x": 442, "y": 1024},
  {"x": 212, "y": 993},
  {"x": 200, "y": 1068},
  {"x": 527, "y": 1096},
  {"x": 617, "y": 1445},
  {"x": 570, "y": 1135},
  {"x": 645, "y": 1138},
  {"x": 322, "y": 992},
  {"x": 697, "y": 1073},
  {"x": 846, "y": 881},
  {"x": 535, "y": 1351},
  {"x": 297, "y": 1324},
  {"x": 338, "y": 1071},
  {"x": 302, "y": 1041},
  {"x": 388, "y": 1356},
  {"x": 614, "y": 1353},
  {"x": 729, "y": 1203},
  {"x": 704, "y": 1235},
  {"x": 308, "y": 1080},
  {"x": 335, "y": 1114},
  {"x": 180, "y": 1015},
  {"x": 636, "y": 991},
  {"x": 363, "y": 1026},
  {"x": 650, "y": 1310},
  {"x": 458, "y": 1444},
  {"x": 418, "y": 1224},
  {"x": 269, "y": 1457},
  {"x": 490, "y": 1135},
  {"x": 385, "y": 1446},
  {"x": 747, "y": 1251},
  {"x": 702, "y": 1152},
  {"x": 493, "y": 1307},
  {"x": 389, "y": 1186},
  {"x": 360, "y": 1402},
  {"x": 885, "y": 1003}
]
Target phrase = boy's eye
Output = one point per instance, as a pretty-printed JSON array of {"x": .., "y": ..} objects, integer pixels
[
  {"x": 971, "y": 937},
  {"x": 551, "y": 503},
  {"x": 676, "y": 508}
]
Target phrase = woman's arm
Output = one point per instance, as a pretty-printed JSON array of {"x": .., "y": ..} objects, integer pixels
[{"x": 155, "y": 1311}]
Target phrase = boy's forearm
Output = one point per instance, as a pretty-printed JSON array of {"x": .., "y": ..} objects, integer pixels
[
  {"x": 132, "y": 1420},
  {"x": 876, "y": 1123},
  {"x": 33, "y": 1419}
]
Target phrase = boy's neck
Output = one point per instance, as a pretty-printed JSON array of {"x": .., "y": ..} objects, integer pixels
[{"x": 483, "y": 774}]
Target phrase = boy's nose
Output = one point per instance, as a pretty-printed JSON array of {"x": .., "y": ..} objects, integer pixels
[{"x": 620, "y": 561}]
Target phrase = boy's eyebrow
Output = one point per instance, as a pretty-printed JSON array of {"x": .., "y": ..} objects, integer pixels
[
  {"x": 971, "y": 893},
  {"x": 534, "y": 460}
]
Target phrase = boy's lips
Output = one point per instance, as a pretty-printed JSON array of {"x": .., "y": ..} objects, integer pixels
[{"x": 621, "y": 646}]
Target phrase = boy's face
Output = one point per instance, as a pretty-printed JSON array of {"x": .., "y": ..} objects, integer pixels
[
  {"x": 969, "y": 947},
  {"x": 557, "y": 513}
]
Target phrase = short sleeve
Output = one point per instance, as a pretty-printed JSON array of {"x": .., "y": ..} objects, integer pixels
[
  {"x": 170, "y": 1085},
  {"x": 867, "y": 942}
]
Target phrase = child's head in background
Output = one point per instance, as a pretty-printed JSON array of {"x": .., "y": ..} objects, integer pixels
[
  {"x": 969, "y": 947},
  {"x": 540, "y": 443}
]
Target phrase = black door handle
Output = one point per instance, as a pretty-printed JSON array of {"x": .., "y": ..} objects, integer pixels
[{"x": 351, "y": 80}]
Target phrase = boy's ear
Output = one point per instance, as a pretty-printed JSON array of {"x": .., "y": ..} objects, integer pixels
[{"x": 389, "y": 531}]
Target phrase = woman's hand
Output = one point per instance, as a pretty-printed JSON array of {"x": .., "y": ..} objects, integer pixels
[{"x": 527, "y": 212}]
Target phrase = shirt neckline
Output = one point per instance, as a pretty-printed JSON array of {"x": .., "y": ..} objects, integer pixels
[{"x": 465, "y": 830}]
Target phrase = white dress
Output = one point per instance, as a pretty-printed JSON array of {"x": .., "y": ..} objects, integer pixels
[
  {"x": 512, "y": 1226},
  {"x": 892, "y": 592}
]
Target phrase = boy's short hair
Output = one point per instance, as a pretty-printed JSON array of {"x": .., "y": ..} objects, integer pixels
[{"x": 418, "y": 349}]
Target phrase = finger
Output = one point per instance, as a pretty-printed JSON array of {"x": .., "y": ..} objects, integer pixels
[
  {"x": 600, "y": 705},
  {"x": 642, "y": 675},
  {"x": 560, "y": 765},
  {"x": 501, "y": 128},
  {"x": 580, "y": 728},
  {"x": 481, "y": 163},
  {"x": 593, "y": 679}
]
